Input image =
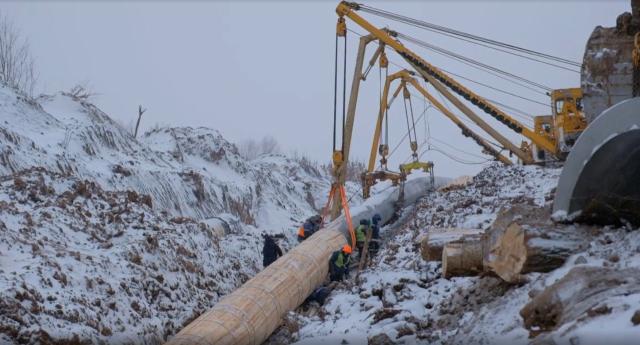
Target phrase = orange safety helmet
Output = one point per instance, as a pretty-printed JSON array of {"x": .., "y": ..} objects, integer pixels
[{"x": 347, "y": 249}]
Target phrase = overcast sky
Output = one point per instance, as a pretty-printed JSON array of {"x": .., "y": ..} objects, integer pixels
[{"x": 251, "y": 69}]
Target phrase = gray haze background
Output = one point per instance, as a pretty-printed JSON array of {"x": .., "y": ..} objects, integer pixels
[{"x": 251, "y": 69}]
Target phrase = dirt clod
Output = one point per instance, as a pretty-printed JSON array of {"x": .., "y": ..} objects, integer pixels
[
  {"x": 380, "y": 339},
  {"x": 635, "y": 319},
  {"x": 384, "y": 313}
]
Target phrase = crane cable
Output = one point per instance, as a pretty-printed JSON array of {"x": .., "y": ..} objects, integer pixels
[
  {"x": 344, "y": 89},
  {"x": 335, "y": 92},
  {"x": 458, "y": 149},
  {"x": 427, "y": 123},
  {"x": 454, "y": 158},
  {"x": 506, "y": 51},
  {"x": 386, "y": 111},
  {"x": 446, "y": 104},
  {"x": 481, "y": 84},
  {"x": 472, "y": 38},
  {"x": 413, "y": 122},
  {"x": 395, "y": 148},
  {"x": 497, "y": 89},
  {"x": 470, "y": 60},
  {"x": 385, "y": 141},
  {"x": 431, "y": 147},
  {"x": 449, "y": 155},
  {"x": 518, "y": 112}
]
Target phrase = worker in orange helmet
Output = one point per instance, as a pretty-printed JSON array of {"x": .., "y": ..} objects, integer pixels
[
  {"x": 310, "y": 227},
  {"x": 339, "y": 263}
]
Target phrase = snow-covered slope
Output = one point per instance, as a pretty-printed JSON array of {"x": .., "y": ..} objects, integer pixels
[
  {"x": 403, "y": 299},
  {"x": 77, "y": 260},
  {"x": 187, "y": 171},
  {"x": 114, "y": 239}
]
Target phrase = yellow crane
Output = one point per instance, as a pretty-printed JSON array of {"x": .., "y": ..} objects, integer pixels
[
  {"x": 555, "y": 138},
  {"x": 371, "y": 177},
  {"x": 407, "y": 78},
  {"x": 552, "y": 135}
]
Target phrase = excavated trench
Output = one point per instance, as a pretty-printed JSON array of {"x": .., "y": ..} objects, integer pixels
[
  {"x": 253, "y": 311},
  {"x": 599, "y": 184}
]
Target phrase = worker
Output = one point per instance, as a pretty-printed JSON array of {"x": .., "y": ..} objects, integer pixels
[
  {"x": 317, "y": 221},
  {"x": 361, "y": 234},
  {"x": 319, "y": 295},
  {"x": 301, "y": 233},
  {"x": 374, "y": 244},
  {"x": 339, "y": 263},
  {"x": 306, "y": 230},
  {"x": 310, "y": 226},
  {"x": 270, "y": 250}
]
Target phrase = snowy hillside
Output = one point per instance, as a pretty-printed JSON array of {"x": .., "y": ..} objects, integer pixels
[
  {"x": 403, "y": 299},
  {"x": 79, "y": 260},
  {"x": 109, "y": 238},
  {"x": 187, "y": 171}
]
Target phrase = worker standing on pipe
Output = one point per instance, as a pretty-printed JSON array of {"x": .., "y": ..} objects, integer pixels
[
  {"x": 270, "y": 251},
  {"x": 339, "y": 263}
]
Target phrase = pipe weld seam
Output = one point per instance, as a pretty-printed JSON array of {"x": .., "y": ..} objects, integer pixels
[
  {"x": 243, "y": 317},
  {"x": 273, "y": 297}
]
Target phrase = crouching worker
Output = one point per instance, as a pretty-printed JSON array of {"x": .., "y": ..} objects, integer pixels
[
  {"x": 270, "y": 251},
  {"x": 339, "y": 263},
  {"x": 310, "y": 226},
  {"x": 319, "y": 295}
]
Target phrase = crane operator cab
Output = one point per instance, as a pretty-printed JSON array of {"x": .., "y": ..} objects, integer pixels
[
  {"x": 563, "y": 127},
  {"x": 569, "y": 120}
]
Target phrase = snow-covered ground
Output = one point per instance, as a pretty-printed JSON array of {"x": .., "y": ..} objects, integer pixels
[
  {"x": 106, "y": 238},
  {"x": 404, "y": 299},
  {"x": 113, "y": 239},
  {"x": 76, "y": 260},
  {"x": 187, "y": 171}
]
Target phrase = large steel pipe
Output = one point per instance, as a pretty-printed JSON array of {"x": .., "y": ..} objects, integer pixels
[
  {"x": 252, "y": 312},
  {"x": 600, "y": 181}
]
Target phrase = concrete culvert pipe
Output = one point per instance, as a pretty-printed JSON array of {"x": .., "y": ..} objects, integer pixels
[
  {"x": 252, "y": 312},
  {"x": 600, "y": 181}
]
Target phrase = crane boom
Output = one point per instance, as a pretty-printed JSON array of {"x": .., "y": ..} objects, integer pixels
[
  {"x": 341, "y": 160},
  {"x": 406, "y": 77},
  {"x": 381, "y": 113},
  {"x": 466, "y": 131},
  {"x": 432, "y": 73}
]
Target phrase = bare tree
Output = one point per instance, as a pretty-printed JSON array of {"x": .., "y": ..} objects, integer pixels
[
  {"x": 252, "y": 149},
  {"x": 140, "y": 112},
  {"x": 269, "y": 145},
  {"x": 80, "y": 92},
  {"x": 17, "y": 65}
]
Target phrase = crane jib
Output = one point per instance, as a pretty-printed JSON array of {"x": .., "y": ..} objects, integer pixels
[
  {"x": 487, "y": 108},
  {"x": 349, "y": 9}
]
